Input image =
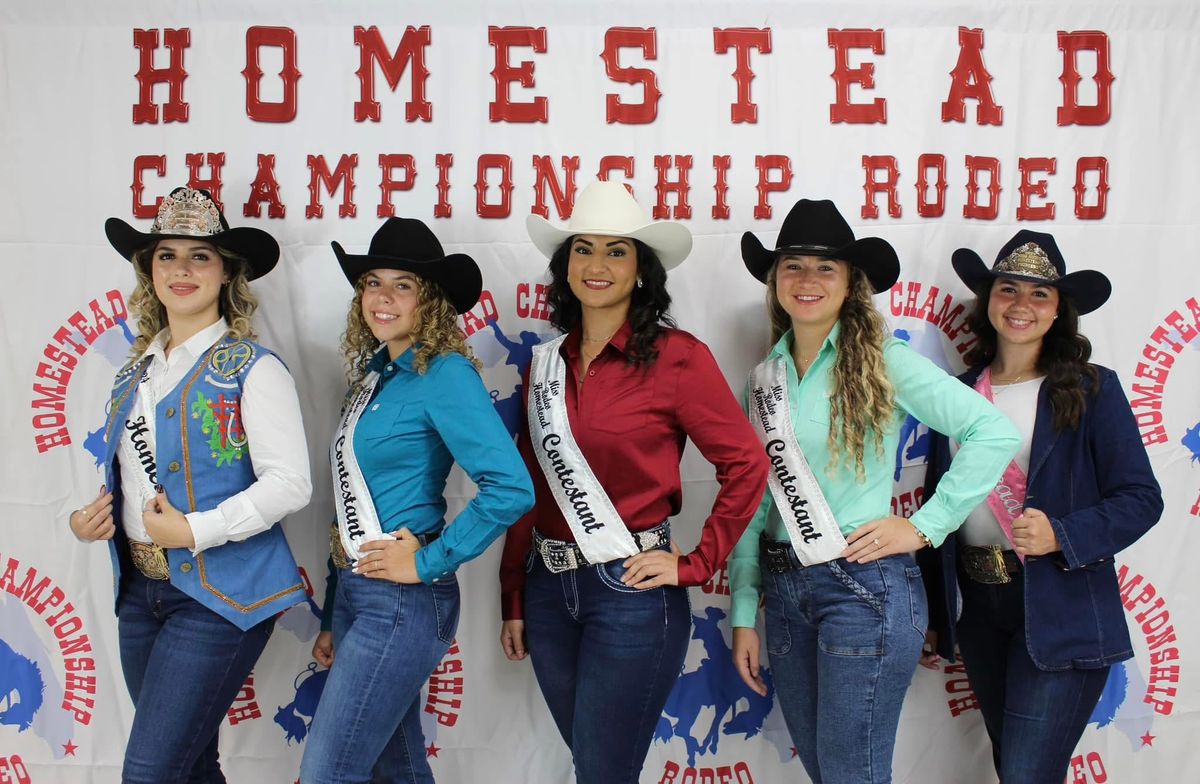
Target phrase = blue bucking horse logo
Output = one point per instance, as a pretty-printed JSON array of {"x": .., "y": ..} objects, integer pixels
[
  {"x": 714, "y": 684},
  {"x": 21, "y": 688},
  {"x": 296, "y": 717}
]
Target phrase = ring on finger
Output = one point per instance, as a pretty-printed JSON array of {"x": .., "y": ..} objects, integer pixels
[{"x": 875, "y": 541}]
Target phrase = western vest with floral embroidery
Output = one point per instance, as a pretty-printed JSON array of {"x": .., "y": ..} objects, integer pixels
[{"x": 204, "y": 458}]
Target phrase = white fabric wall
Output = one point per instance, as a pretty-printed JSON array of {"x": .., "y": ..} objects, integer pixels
[{"x": 69, "y": 142}]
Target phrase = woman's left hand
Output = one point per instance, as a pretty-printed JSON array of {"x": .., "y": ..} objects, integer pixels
[
  {"x": 1033, "y": 534},
  {"x": 390, "y": 559},
  {"x": 881, "y": 538},
  {"x": 652, "y": 568},
  {"x": 166, "y": 525}
]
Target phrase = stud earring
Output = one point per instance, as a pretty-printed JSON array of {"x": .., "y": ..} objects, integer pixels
[{"x": 639, "y": 282}]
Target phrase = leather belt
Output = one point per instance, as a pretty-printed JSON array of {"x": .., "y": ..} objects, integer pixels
[
  {"x": 777, "y": 557},
  {"x": 562, "y": 556},
  {"x": 150, "y": 559},
  {"x": 990, "y": 565}
]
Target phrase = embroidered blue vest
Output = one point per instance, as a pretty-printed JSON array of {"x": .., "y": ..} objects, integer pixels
[{"x": 203, "y": 458}]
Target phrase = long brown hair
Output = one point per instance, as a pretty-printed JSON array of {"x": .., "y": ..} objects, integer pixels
[
  {"x": 1063, "y": 358},
  {"x": 435, "y": 331},
  {"x": 236, "y": 301},
  {"x": 863, "y": 400}
]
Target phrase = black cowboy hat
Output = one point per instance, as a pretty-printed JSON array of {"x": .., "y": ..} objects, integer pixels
[
  {"x": 816, "y": 228},
  {"x": 191, "y": 213},
  {"x": 408, "y": 244},
  {"x": 1034, "y": 257}
]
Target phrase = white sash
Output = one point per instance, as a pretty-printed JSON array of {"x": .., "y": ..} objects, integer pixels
[
  {"x": 599, "y": 531},
  {"x": 810, "y": 523},
  {"x": 358, "y": 522}
]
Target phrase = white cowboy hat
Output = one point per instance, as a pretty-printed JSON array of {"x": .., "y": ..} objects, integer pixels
[{"x": 609, "y": 210}]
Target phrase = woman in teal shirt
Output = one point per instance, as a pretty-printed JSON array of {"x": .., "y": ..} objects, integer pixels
[
  {"x": 416, "y": 405},
  {"x": 845, "y": 608}
]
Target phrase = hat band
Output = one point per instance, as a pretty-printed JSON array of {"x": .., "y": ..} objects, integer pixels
[
  {"x": 808, "y": 250},
  {"x": 1028, "y": 260}
]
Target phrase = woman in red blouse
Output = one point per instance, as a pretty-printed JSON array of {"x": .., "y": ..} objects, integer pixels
[{"x": 593, "y": 591}]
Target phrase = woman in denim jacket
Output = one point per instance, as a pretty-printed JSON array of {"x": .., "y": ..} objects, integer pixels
[{"x": 1042, "y": 620}]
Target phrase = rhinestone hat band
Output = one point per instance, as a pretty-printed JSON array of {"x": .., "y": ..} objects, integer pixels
[
  {"x": 1028, "y": 260},
  {"x": 188, "y": 212}
]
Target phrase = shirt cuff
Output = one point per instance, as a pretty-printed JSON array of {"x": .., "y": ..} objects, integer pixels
[
  {"x": 208, "y": 529},
  {"x": 690, "y": 573},
  {"x": 512, "y": 606},
  {"x": 432, "y": 564}
]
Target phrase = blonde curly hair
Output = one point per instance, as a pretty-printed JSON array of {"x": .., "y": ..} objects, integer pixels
[
  {"x": 236, "y": 302},
  {"x": 435, "y": 332},
  {"x": 863, "y": 399}
]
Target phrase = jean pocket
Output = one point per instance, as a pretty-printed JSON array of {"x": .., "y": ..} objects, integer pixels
[
  {"x": 610, "y": 575},
  {"x": 779, "y": 632},
  {"x": 446, "y": 607},
  {"x": 853, "y": 615},
  {"x": 864, "y": 581},
  {"x": 917, "y": 601}
]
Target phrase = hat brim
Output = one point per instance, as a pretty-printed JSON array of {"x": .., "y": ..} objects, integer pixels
[
  {"x": 457, "y": 273},
  {"x": 1087, "y": 289},
  {"x": 671, "y": 242},
  {"x": 258, "y": 248},
  {"x": 873, "y": 255}
]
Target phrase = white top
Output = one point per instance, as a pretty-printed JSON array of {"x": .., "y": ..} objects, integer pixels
[
  {"x": 272, "y": 423},
  {"x": 1018, "y": 402}
]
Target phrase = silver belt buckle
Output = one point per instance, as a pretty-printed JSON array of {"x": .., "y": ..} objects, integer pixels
[{"x": 557, "y": 559}]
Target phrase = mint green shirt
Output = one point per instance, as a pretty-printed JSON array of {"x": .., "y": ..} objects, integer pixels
[{"x": 989, "y": 441}]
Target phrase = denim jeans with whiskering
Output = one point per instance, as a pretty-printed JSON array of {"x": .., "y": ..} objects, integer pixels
[
  {"x": 387, "y": 639},
  {"x": 183, "y": 666},
  {"x": 843, "y": 641},
  {"x": 606, "y": 657},
  {"x": 1034, "y": 717}
]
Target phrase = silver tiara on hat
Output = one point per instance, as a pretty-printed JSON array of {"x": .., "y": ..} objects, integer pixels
[
  {"x": 188, "y": 212},
  {"x": 1028, "y": 260}
]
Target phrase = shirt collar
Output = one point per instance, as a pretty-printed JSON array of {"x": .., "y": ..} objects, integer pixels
[
  {"x": 193, "y": 347},
  {"x": 619, "y": 340},
  {"x": 383, "y": 364},
  {"x": 783, "y": 348}
]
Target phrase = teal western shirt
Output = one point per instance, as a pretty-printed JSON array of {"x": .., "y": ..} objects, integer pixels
[{"x": 413, "y": 431}]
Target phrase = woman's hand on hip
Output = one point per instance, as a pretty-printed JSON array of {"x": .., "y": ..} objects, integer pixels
[
  {"x": 745, "y": 658},
  {"x": 1033, "y": 534},
  {"x": 512, "y": 640},
  {"x": 323, "y": 649},
  {"x": 390, "y": 559},
  {"x": 166, "y": 525},
  {"x": 929, "y": 655},
  {"x": 881, "y": 538},
  {"x": 652, "y": 568},
  {"x": 95, "y": 520}
]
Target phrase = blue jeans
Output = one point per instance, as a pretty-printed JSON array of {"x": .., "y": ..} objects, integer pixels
[
  {"x": 1033, "y": 717},
  {"x": 843, "y": 641},
  {"x": 387, "y": 640},
  {"x": 606, "y": 657},
  {"x": 183, "y": 666}
]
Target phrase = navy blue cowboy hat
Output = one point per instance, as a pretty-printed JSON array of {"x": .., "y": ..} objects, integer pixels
[
  {"x": 816, "y": 228},
  {"x": 408, "y": 244},
  {"x": 1034, "y": 257},
  {"x": 191, "y": 213}
]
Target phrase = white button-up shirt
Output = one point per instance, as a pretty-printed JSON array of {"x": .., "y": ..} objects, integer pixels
[{"x": 272, "y": 423}]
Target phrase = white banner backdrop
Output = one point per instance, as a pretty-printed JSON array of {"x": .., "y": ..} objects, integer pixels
[{"x": 933, "y": 124}]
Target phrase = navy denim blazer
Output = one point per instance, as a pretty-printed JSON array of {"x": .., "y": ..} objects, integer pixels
[{"x": 1096, "y": 486}]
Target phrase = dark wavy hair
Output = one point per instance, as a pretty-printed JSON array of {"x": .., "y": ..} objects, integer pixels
[
  {"x": 1063, "y": 358},
  {"x": 647, "y": 309}
]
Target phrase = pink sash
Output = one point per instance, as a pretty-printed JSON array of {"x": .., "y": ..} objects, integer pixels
[{"x": 1007, "y": 499}]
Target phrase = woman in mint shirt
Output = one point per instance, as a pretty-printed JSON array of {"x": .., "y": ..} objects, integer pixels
[
  {"x": 416, "y": 405},
  {"x": 845, "y": 607}
]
